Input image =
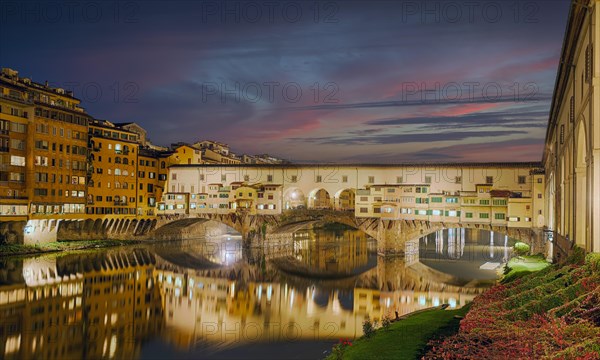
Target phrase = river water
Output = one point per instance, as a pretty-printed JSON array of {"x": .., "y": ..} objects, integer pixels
[{"x": 212, "y": 298}]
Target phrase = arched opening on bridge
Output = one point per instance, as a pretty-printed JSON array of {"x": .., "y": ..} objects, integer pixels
[
  {"x": 581, "y": 197},
  {"x": 319, "y": 199},
  {"x": 293, "y": 198},
  {"x": 470, "y": 252},
  {"x": 345, "y": 199}
]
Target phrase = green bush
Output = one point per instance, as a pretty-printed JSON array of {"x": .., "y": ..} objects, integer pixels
[
  {"x": 521, "y": 249},
  {"x": 592, "y": 260},
  {"x": 386, "y": 322},
  {"x": 368, "y": 328},
  {"x": 577, "y": 257}
]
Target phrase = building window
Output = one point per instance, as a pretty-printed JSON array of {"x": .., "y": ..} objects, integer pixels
[
  {"x": 522, "y": 179},
  {"x": 499, "y": 216},
  {"x": 344, "y": 178},
  {"x": 427, "y": 179},
  {"x": 17, "y": 160},
  {"x": 562, "y": 134},
  {"x": 371, "y": 179},
  {"x": 173, "y": 176},
  {"x": 246, "y": 177},
  {"x": 489, "y": 179},
  {"x": 469, "y": 215},
  {"x": 364, "y": 210},
  {"x": 484, "y": 215},
  {"x": 458, "y": 180},
  {"x": 319, "y": 178},
  {"x": 41, "y": 144}
]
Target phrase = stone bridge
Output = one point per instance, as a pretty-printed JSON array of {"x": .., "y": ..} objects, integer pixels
[{"x": 394, "y": 237}]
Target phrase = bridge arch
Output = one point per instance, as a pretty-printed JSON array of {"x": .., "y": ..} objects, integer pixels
[
  {"x": 456, "y": 236},
  {"x": 319, "y": 199},
  {"x": 192, "y": 227},
  {"x": 293, "y": 198},
  {"x": 344, "y": 199}
]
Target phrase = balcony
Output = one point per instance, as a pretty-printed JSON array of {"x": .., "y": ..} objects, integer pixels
[
  {"x": 14, "y": 197},
  {"x": 17, "y": 98}
]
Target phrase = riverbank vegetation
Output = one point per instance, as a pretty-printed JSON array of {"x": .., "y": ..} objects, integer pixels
[
  {"x": 403, "y": 339},
  {"x": 519, "y": 266},
  {"x": 550, "y": 314},
  {"x": 56, "y": 246},
  {"x": 538, "y": 311}
]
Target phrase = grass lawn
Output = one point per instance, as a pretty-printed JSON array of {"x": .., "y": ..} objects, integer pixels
[
  {"x": 406, "y": 338},
  {"x": 523, "y": 265}
]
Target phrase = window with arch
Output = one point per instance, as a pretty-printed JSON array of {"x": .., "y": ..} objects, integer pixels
[
  {"x": 117, "y": 185},
  {"x": 117, "y": 160},
  {"x": 117, "y": 171},
  {"x": 126, "y": 161},
  {"x": 162, "y": 164},
  {"x": 125, "y": 172},
  {"x": 118, "y": 148}
]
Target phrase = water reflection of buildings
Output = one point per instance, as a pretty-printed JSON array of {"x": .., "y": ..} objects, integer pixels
[
  {"x": 335, "y": 251},
  {"x": 122, "y": 307},
  {"x": 221, "y": 312},
  {"x": 105, "y": 305},
  {"x": 55, "y": 313}
]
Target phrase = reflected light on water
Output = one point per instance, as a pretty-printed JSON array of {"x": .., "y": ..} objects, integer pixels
[{"x": 116, "y": 303}]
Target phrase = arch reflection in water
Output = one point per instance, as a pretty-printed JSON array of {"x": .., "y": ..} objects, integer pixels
[
  {"x": 330, "y": 251},
  {"x": 466, "y": 253},
  {"x": 121, "y": 303}
]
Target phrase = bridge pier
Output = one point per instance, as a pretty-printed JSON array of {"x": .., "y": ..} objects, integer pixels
[
  {"x": 40, "y": 231},
  {"x": 11, "y": 232},
  {"x": 395, "y": 236}
]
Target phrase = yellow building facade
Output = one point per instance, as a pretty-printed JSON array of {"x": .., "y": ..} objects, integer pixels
[
  {"x": 572, "y": 152},
  {"x": 113, "y": 188},
  {"x": 16, "y": 112},
  {"x": 55, "y": 146}
]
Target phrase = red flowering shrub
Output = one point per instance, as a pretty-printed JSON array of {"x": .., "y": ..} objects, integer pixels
[{"x": 551, "y": 314}]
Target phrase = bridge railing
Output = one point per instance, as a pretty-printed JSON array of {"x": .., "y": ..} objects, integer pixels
[{"x": 562, "y": 245}]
